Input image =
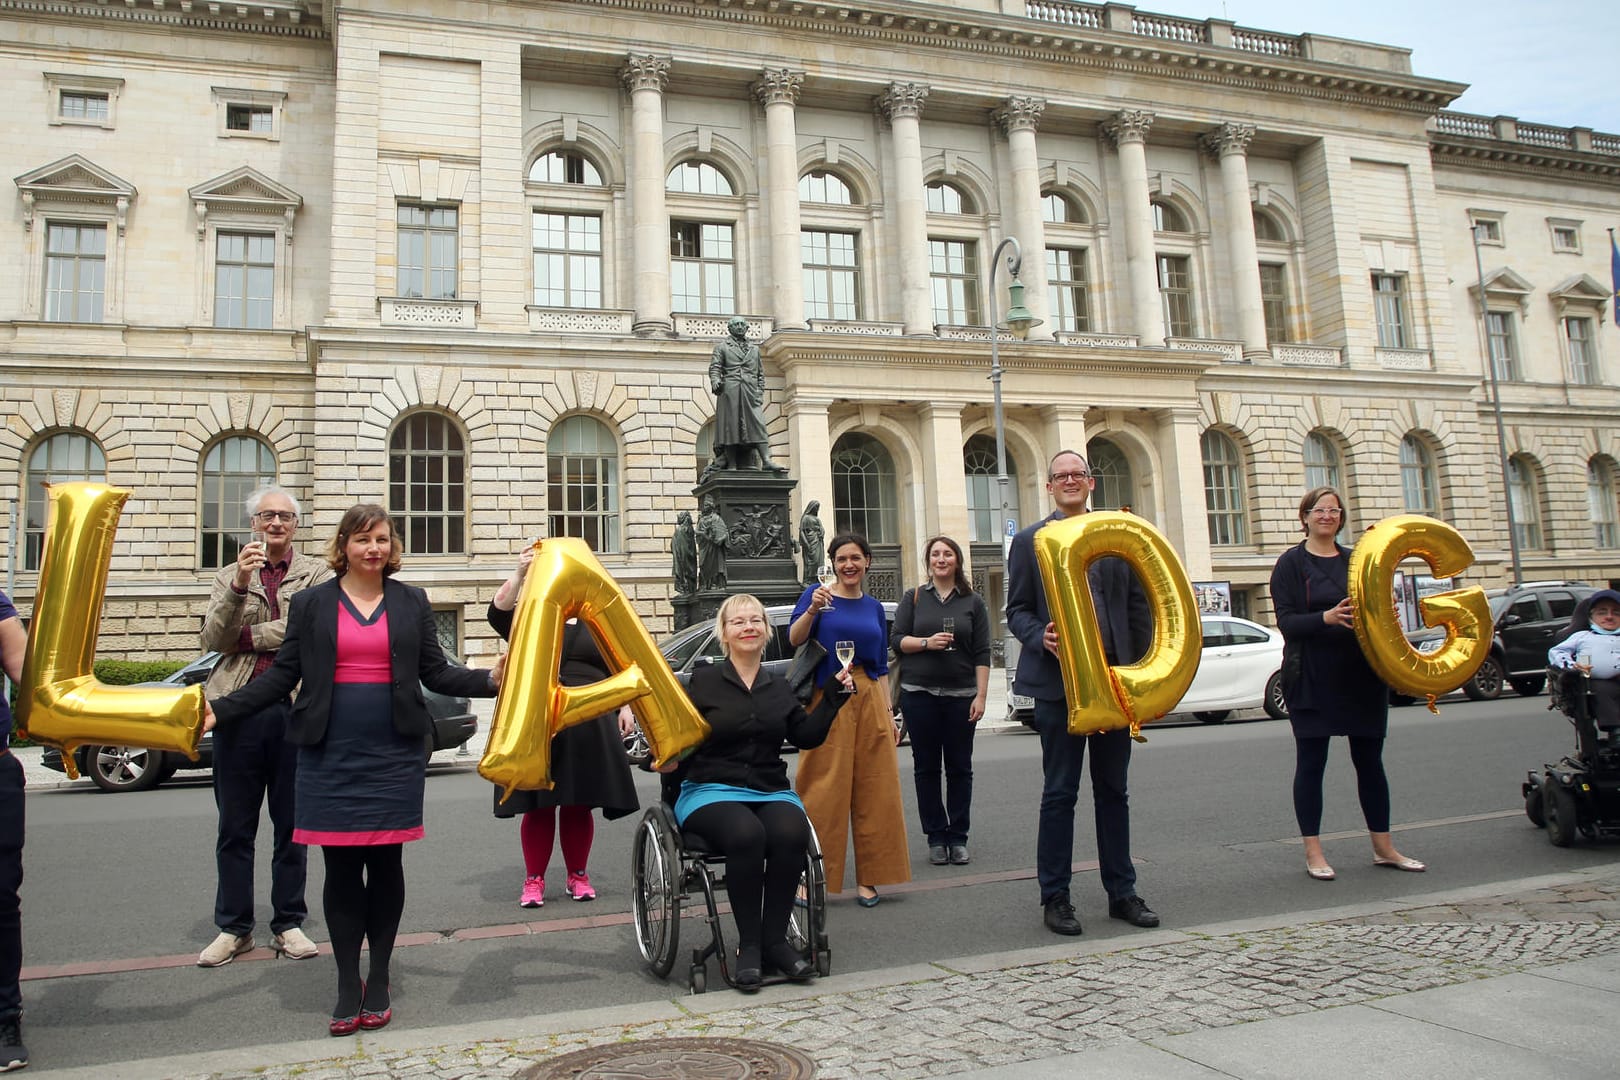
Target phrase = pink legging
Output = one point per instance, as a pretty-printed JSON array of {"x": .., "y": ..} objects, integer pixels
[{"x": 539, "y": 828}]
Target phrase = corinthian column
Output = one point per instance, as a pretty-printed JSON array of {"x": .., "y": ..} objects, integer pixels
[
  {"x": 901, "y": 105},
  {"x": 1229, "y": 144},
  {"x": 644, "y": 78},
  {"x": 1018, "y": 118},
  {"x": 1128, "y": 129},
  {"x": 778, "y": 91}
]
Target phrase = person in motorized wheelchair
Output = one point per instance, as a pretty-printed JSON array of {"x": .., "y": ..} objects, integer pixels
[
  {"x": 1582, "y": 792},
  {"x": 734, "y": 798}
]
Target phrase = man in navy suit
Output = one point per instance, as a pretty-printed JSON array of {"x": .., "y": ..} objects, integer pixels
[{"x": 1126, "y": 624}]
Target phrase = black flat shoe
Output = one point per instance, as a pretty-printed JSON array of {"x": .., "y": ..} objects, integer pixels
[
  {"x": 785, "y": 959},
  {"x": 959, "y": 855},
  {"x": 749, "y": 980}
]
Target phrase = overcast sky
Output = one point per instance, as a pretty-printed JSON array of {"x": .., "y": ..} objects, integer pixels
[{"x": 1551, "y": 63}]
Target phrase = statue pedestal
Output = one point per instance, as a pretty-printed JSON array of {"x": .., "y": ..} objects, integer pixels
[{"x": 760, "y": 556}]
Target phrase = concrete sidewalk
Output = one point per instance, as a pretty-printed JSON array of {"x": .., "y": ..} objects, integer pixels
[{"x": 1508, "y": 980}]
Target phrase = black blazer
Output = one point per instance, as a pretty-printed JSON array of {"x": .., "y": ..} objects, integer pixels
[
  {"x": 309, "y": 653},
  {"x": 1123, "y": 615}
]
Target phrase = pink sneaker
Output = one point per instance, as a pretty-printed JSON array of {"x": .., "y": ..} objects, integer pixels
[
  {"x": 579, "y": 886},
  {"x": 534, "y": 892}
]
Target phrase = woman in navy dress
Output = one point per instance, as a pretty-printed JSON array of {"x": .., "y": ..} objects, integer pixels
[
  {"x": 1336, "y": 691},
  {"x": 360, "y": 647}
]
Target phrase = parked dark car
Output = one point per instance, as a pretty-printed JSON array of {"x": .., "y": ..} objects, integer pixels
[
  {"x": 134, "y": 768},
  {"x": 1529, "y": 619}
]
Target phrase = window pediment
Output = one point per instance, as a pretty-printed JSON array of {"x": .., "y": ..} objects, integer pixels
[
  {"x": 1504, "y": 285},
  {"x": 1582, "y": 291},
  {"x": 244, "y": 191},
  {"x": 74, "y": 179}
]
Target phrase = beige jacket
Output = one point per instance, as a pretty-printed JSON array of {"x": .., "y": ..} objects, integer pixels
[{"x": 229, "y": 611}]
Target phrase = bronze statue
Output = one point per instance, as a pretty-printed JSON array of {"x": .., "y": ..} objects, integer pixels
[
  {"x": 684, "y": 549},
  {"x": 811, "y": 539},
  {"x": 712, "y": 538},
  {"x": 737, "y": 378}
]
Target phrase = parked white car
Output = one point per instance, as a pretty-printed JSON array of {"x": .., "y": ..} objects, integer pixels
[{"x": 1241, "y": 668}]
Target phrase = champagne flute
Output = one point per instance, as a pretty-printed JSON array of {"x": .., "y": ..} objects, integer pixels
[
  {"x": 828, "y": 577},
  {"x": 845, "y": 651},
  {"x": 948, "y": 624}
]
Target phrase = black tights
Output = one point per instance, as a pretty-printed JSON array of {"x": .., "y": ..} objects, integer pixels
[
  {"x": 764, "y": 844},
  {"x": 1310, "y": 763},
  {"x": 363, "y": 900}
]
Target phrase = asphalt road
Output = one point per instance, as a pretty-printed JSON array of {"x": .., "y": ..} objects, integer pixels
[{"x": 129, "y": 879}]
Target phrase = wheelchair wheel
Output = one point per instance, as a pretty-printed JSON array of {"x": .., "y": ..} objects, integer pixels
[
  {"x": 1534, "y": 809},
  {"x": 807, "y": 925},
  {"x": 655, "y": 900},
  {"x": 1558, "y": 804}
]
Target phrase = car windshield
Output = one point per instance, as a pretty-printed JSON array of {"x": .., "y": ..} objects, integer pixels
[{"x": 679, "y": 648}]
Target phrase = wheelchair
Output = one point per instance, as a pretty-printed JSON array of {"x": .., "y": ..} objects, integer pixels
[
  {"x": 670, "y": 866},
  {"x": 1579, "y": 794}
]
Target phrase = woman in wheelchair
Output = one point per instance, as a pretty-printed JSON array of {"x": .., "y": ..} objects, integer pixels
[
  {"x": 734, "y": 789},
  {"x": 1595, "y": 651}
]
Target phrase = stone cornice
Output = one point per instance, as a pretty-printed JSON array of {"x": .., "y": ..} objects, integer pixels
[
  {"x": 1020, "y": 40},
  {"x": 277, "y": 18},
  {"x": 1493, "y": 155}
]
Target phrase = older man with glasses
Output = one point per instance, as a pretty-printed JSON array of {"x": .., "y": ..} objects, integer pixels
[{"x": 253, "y": 762}]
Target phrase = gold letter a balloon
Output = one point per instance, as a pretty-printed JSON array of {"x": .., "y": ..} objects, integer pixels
[{"x": 60, "y": 703}]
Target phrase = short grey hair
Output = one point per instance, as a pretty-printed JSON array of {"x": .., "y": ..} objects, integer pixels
[{"x": 257, "y": 496}]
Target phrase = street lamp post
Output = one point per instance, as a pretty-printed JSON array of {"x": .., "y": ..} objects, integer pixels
[
  {"x": 1019, "y": 322},
  {"x": 1496, "y": 407}
]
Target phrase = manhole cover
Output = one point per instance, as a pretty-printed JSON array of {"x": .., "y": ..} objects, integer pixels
[{"x": 678, "y": 1059}]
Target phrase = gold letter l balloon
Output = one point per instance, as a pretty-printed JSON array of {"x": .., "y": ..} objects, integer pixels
[
  {"x": 1465, "y": 613},
  {"x": 566, "y": 581},
  {"x": 60, "y": 702},
  {"x": 1101, "y": 697}
]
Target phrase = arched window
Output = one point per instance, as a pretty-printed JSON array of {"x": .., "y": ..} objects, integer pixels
[
  {"x": 1600, "y": 503},
  {"x": 829, "y": 247},
  {"x": 984, "y": 493},
  {"x": 1167, "y": 218},
  {"x": 953, "y": 255},
  {"x": 65, "y": 456},
  {"x": 565, "y": 167},
  {"x": 232, "y": 468},
  {"x": 1420, "y": 488},
  {"x": 427, "y": 484},
  {"x": 819, "y": 186},
  {"x": 1112, "y": 471},
  {"x": 1267, "y": 229},
  {"x": 1321, "y": 462},
  {"x": 698, "y": 178},
  {"x": 702, "y": 250},
  {"x": 944, "y": 198},
  {"x": 1223, "y": 489},
  {"x": 864, "y": 489},
  {"x": 582, "y": 483},
  {"x": 1524, "y": 495},
  {"x": 1059, "y": 209}
]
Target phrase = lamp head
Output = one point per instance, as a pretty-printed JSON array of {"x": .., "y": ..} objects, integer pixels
[{"x": 1020, "y": 320}]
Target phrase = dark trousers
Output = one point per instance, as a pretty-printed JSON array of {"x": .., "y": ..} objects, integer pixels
[
  {"x": 11, "y": 875},
  {"x": 941, "y": 734},
  {"x": 254, "y": 764},
  {"x": 1062, "y": 756}
]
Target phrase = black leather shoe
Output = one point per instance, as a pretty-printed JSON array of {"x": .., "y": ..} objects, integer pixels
[
  {"x": 938, "y": 855},
  {"x": 785, "y": 958},
  {"x": 1060, "y": 917},
  {"x": 749, "y": 978},
  {"x": 1134, "y": 910},
  {"x": 959, "y": 855}
]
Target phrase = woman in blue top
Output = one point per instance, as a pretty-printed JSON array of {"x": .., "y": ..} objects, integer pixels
[{"x": 853, "y": 779}]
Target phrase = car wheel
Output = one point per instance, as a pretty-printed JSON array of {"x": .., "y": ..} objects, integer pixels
[
  {"x": 1214, "y": 716},
  {"x": 1276, "y": 707},
  {"x": 1486, "y": 685},
  {"x": 1533, "y": 808},
  {"x": 636, "y": 747},
  {"x": 124, "y": 768},
  {"x": 1529, "y": 686},
  {"x": 1558, "y": 804}
]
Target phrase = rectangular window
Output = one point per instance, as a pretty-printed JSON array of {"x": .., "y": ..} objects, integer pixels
[
  {"x": 1582, "y": 351},
  {"x": 1566, "y": 238},
  {"x": 1488, "y": 230},
  {"x": 953, "y": 268},
  {"x": 1504, "y": 349},
  {"x": 1070, "y": 294},
  {"x": 702, "y": 268},
  {"x": 258, "y": 119},
  {"x": 75, "y": 272},
  {"x": 1389, "y": 311},
  {"x": 567, "y": 260},
  {"x": 1175, "y": 286},
  {"x": 85, "y": 106},
  {"x": 244, "y": 280},
  {"x": 427, "y": 251},
  {"x": 832, "y": 274},
  {"x": 1274, "y": 301}
]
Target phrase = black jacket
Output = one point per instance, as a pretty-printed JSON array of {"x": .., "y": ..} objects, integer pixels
[
  {"x": 748, "y": 727},
  {"x": 309, "y": 653}
]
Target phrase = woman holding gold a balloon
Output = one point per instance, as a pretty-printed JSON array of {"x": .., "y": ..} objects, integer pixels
[{"x": 1328, "y": 684}]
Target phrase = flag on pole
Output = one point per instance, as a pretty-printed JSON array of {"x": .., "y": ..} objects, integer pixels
[{"x": 1614, "y": 275}]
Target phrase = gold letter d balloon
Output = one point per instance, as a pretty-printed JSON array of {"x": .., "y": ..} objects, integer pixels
[{"x": 60, "y": 703}]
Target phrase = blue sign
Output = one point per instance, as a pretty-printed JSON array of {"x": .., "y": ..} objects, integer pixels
[{"x": 1012, "y": 527}]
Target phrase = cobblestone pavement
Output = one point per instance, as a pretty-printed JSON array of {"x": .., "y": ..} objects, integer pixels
[{"x": 961, "y": 1020}]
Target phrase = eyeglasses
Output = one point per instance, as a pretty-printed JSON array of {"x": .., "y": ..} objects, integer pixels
[
  {"x": 275, "y": 515},
  {"x": 748, "y": 620},
  {"x": 1069, "y": 477},
  {"x": 1326, "y": 511}
]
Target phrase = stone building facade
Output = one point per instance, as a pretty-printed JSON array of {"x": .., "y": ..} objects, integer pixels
[{"x": 469, "y": 259}]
